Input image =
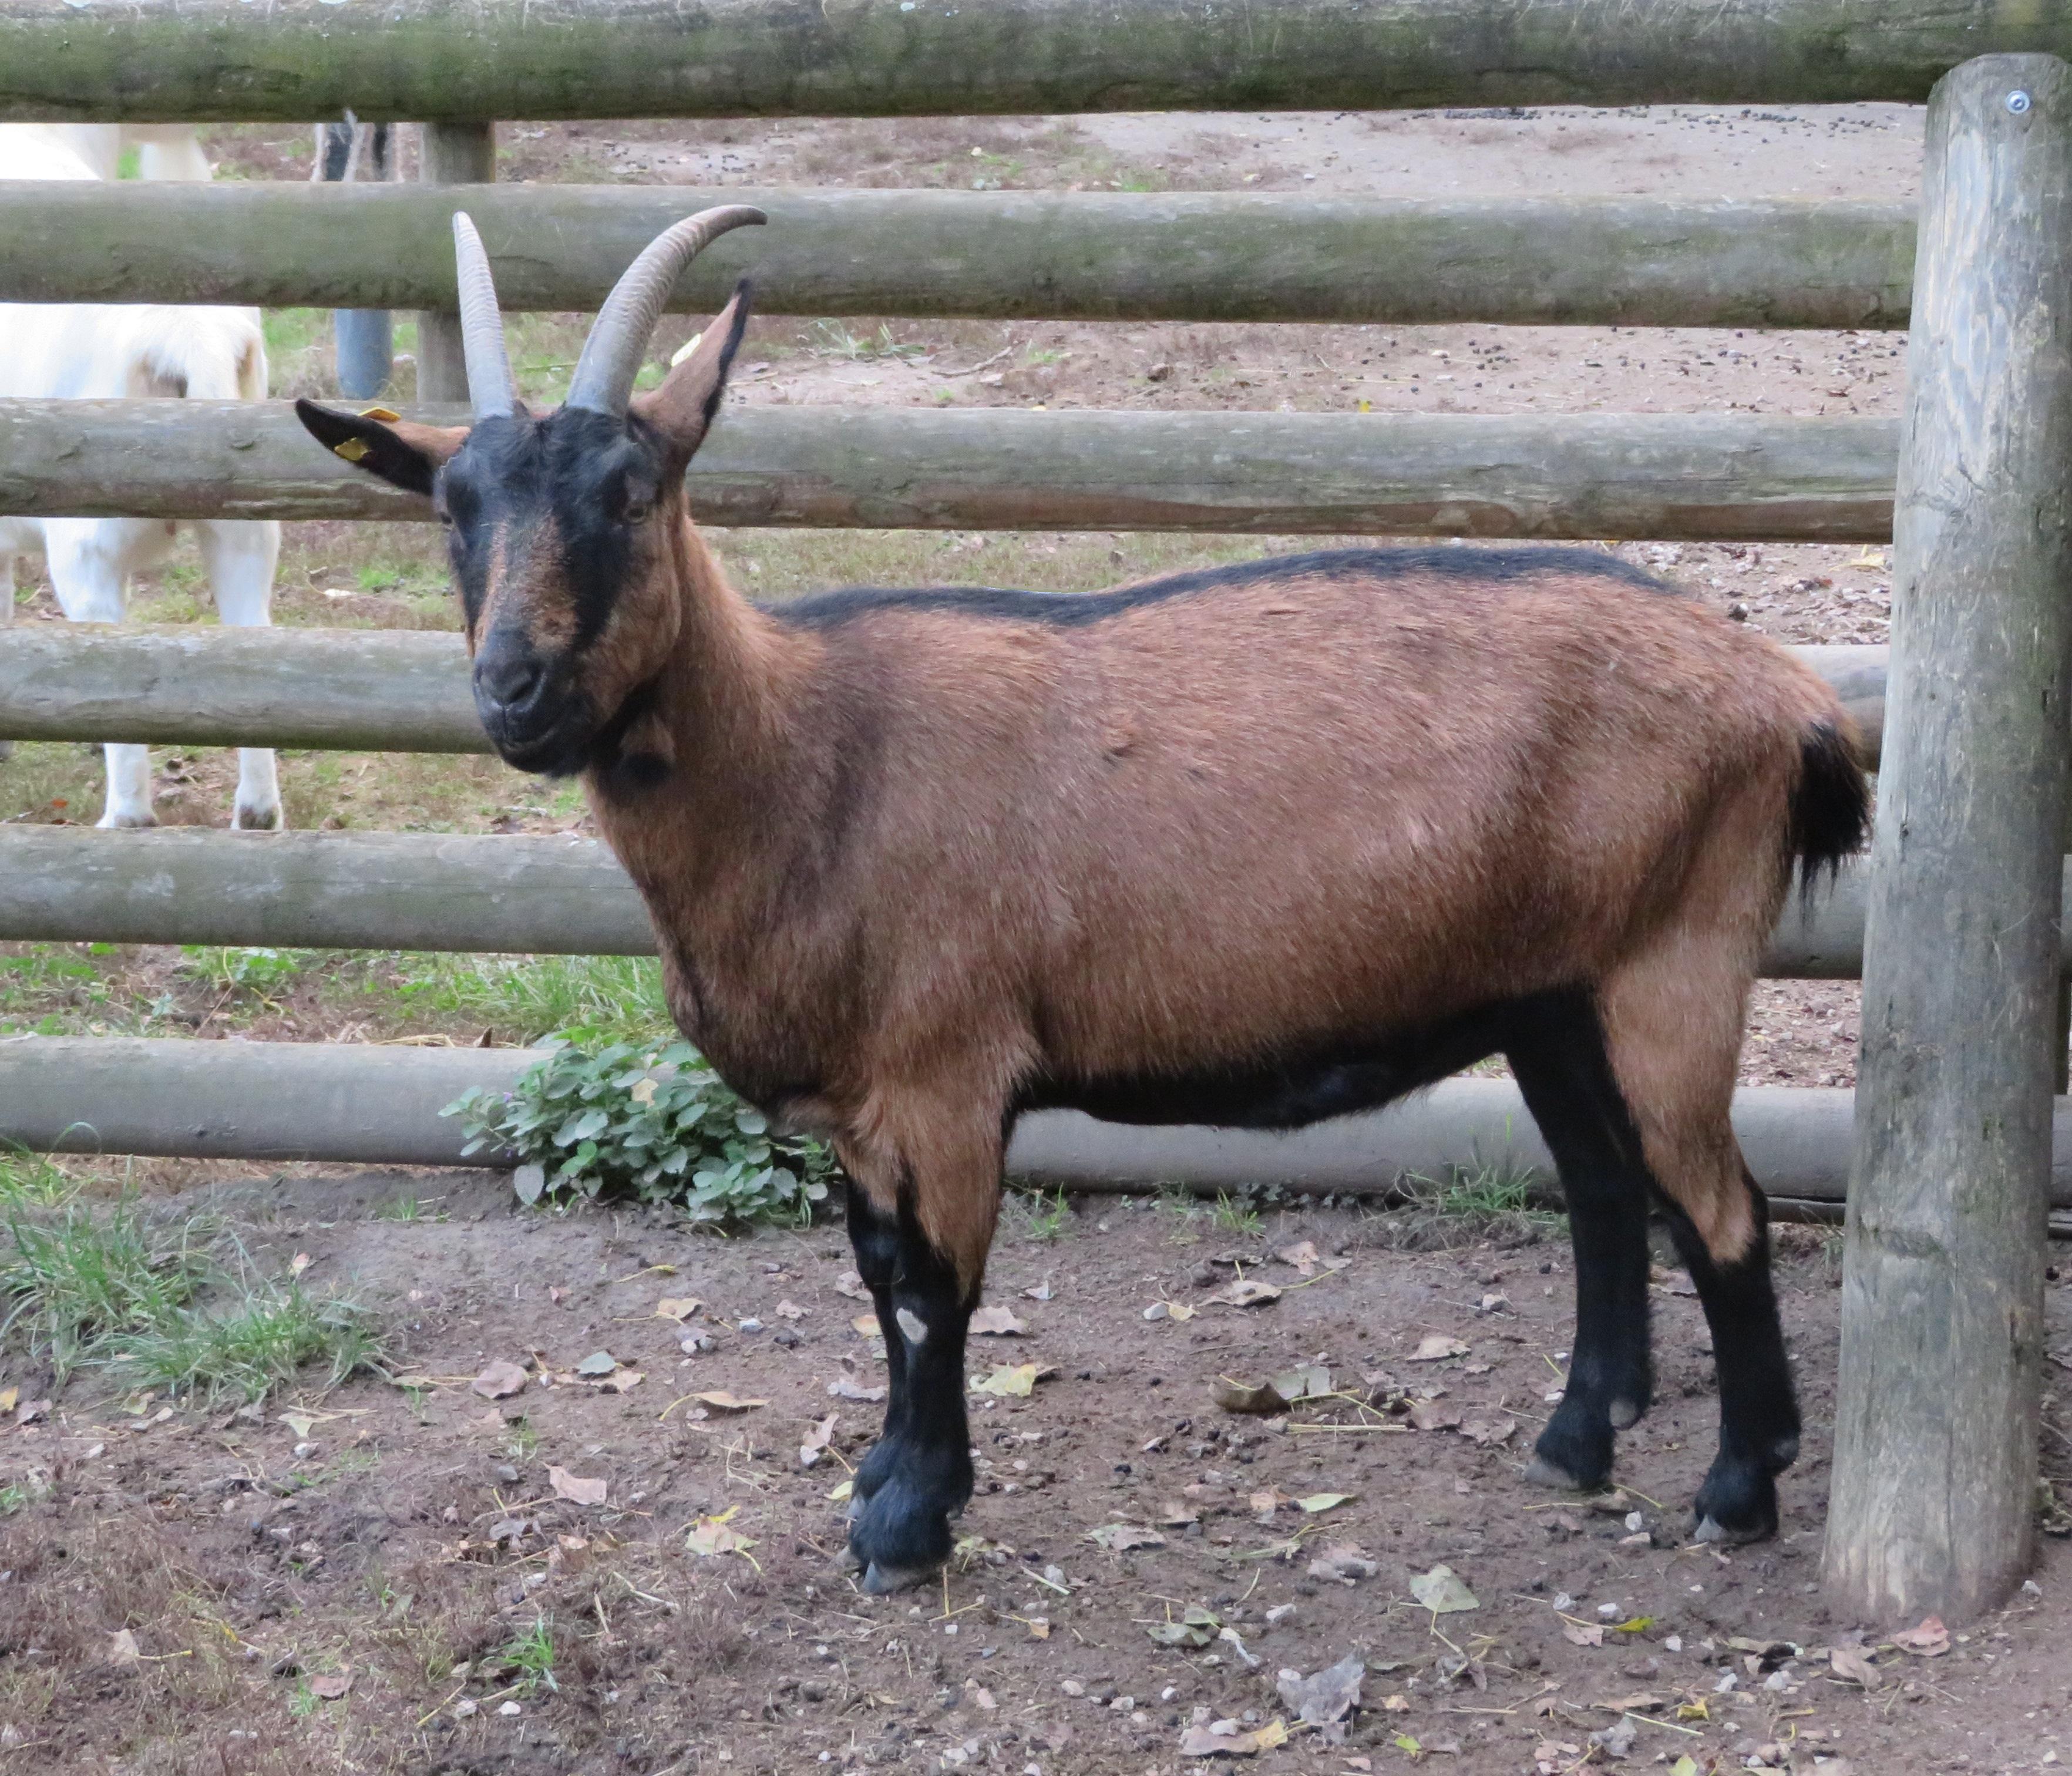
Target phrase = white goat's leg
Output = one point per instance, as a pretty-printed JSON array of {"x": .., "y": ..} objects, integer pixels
[
  {"x": 240, "y": 556},
  {"x": 89, "y": 572}
]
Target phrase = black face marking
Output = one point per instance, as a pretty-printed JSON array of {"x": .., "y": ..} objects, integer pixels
[
  {"x": 579, "y": 487},
  {"x": 1075, "y": 609}
]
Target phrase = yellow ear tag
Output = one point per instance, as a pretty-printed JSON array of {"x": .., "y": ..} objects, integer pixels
[
  {"x": 351, "y": 449},
  {"x": 378, "y": 413},
  {"x": 684, "y": 350}
]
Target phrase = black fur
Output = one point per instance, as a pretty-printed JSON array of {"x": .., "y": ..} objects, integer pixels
[
  {"x": 386, "y": 454},
  {"x": 1333, "y": 1078},
  {"x": 1566, "y": 1077},
  {"x": 1073, "y": 610},
  {"x": 919, "y": 1474},
  {"x": 1830, "y": 810}
]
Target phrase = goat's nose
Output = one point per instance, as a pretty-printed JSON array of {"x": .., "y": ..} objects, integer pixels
[{"x": 507, "y": 675}]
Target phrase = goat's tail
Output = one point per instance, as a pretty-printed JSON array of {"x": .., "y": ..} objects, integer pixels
[{"x": 1831, "y": 808}]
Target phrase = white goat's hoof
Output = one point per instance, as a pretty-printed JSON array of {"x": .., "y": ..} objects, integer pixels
[
  {"x": 114, "y": 822},
  {"x": 258, "y": 820},
  {"x": 882, "y": 1581}
]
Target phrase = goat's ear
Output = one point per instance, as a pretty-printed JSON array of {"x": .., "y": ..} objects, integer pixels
[
  {"x": 403, "y": 453},
  {"x": 683, "y": 408}
]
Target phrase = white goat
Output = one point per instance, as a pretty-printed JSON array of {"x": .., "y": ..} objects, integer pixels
[{"x": 83, "y": 350}]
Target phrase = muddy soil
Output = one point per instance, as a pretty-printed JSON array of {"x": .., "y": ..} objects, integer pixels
[{"x": 259, "y": 1561}]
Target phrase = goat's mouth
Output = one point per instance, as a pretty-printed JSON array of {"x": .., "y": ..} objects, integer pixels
[{"x": 556, "y": 746}]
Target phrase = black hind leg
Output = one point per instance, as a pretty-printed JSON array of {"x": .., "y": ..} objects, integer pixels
[
  {"x": 1558, "y": 1056},
  {"x": 1759, "y": 1413}
]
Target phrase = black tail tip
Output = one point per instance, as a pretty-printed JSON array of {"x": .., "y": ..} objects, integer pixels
[{"x": 1830, "y": 810}]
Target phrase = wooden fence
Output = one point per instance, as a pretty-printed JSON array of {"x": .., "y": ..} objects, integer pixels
[
  {"x": 293, "y": 60},
  {"x": 1943, "y": 1295},
  {"x": 1004, "y": 255},
  {"x": 1729, "y": 476}
]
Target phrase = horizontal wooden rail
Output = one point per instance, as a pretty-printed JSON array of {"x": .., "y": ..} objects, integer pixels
[
  {"x": 1591, "y": 475},
  {"x": 1082, "y": 256},
  {"x": 372, "y": 690},
  {"x": 298, "y": 59},
  {"x": 367, "y": 1104},
  {"x": 410, "y": 891}
]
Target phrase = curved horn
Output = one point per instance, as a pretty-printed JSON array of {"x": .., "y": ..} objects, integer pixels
[
  {"x": 611, "y": 359},
  {"x": 489, "y": 387}
]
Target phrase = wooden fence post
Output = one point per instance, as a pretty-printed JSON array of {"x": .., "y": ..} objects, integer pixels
[
  {"x": 1934, "y": 1501},
  {"x": 455, "y": 153}
]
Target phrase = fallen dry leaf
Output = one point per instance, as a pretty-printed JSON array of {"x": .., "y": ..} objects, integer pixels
[
  {"x": 851, "y": 1285},
  {"x": 867, "y": 1325},
  {"x": 1242, "y": 1396},
  {"x": 299, "y": 1263},
  {"x": 30, "y": 1410},
  {"x": 1931, "y": 1640},
  {"x": 1223, "y": 1739},
  {"x": 123, "y": 1649},
  {"x": 1011, "y": 1381},
  {"x": 1435, "y": 1415},
  {"x": 1245, "y": 1293},
  {"x": 712, "y": 1535},
  {"x": 679, "y": 1308},
  {"x": 301, "y": 1423},
  {"x": 817, "y": 1439},
  {"x": 1172, "y": 1515},
  {"x": 330, "y": 1685},
  {"x": 1312, "y": 1381},
  {"x": 1302, "y": 1257},
  {"x": 996, "y": 1322},
  {"x": 1196, "y": 1628},
  {"x": 622, "y": 1381},
  {"x": 1437, "y": 1346},
  {"x": 1441, "y": 1592},
  {"x": 1325, "y": 1700},
  {"x": 1486, "y": 1429},
  {"x": 499, "y": 1381},
  {"x": 8, "y": 1396},
  {"x": 574, "y": 1488},
  {"x": 792, "y": 1310},
  {"x": 1041, "y": 1292},
  {"x": 841, "y": 1387},
  {"x": 1852, "y": 1666},
  {"x": 1583, "y": 1633},
  {"x": 720, "y": 1400},
  {"x": 1119, "y": 1537},
  {"x": 597, "y": 1363}
]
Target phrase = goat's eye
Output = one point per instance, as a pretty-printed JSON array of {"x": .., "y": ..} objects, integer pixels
[{"x": 636, "y": 511}]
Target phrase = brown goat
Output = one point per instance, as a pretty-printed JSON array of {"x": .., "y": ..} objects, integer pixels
[{"x": 1252, "y": 846}]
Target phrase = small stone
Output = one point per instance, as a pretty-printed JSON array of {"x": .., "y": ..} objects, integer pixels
[
  {"x": 749, "y": 1325},
  {"x": 510, "y": 1708}
]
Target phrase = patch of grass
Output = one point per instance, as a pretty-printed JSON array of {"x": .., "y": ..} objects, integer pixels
[
  {"x": 620, "y": 997},
  {"x": 261, "y": 972},
  {"x": 263, "y": 1340},
  {"x": 1236, "y": 1215},
  {"x": 409, "y": 1206},
  {"x": 532, "y": 1654},
  {"x": 1481, "y": 1191},
  {"x": 153, "y": 1300},
  {"x": 1043, "y": 1217}
]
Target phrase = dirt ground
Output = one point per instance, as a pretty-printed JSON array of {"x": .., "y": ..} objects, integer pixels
[{"x": 385, "y": 1577}]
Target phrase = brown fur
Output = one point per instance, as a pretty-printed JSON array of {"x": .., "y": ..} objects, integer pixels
[{"x": 1224, "y": 827}]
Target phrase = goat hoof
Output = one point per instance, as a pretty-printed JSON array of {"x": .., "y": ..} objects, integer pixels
[
  {"x": 1710, "y": 1529},
  {"x": 257, "y": 820},
  {"x": 1737, "y": 1503},
  {"x": 882, "y": 1581},
  {"x": 113, "y": 823},
  {"x": 1541, "y": 1472}
]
